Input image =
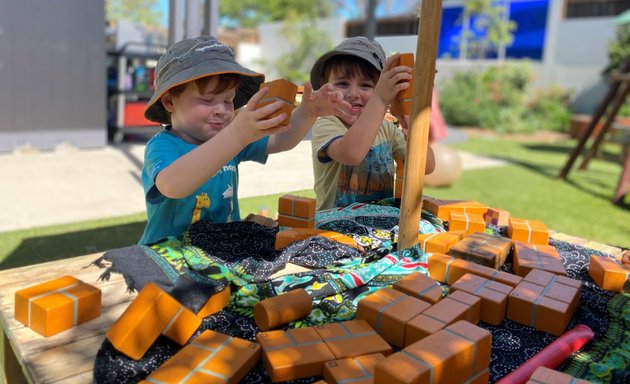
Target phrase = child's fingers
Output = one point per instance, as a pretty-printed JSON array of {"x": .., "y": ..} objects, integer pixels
[
  {"x": 308, "y": 91},
  {"x": 271, "y": 122},
  {"x": 266, "y": 110},
  {"x": 254, "y": 100},
  {"x": 391, "y": 62}
]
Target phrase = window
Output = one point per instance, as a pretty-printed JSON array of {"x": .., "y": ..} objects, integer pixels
[{"x": 595, "y": 8}]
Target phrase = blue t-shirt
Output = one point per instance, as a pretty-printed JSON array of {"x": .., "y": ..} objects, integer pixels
[{"x": 215, "y": 201}]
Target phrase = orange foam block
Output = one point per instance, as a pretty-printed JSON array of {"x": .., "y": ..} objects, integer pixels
[
  {"x": 296, "y": 211},
  {"x": 212, "y": 357},
  {"x": 153, "y": 312},
  {"x": 280, "y": 90},
  {"x": 57, "y": 305}
]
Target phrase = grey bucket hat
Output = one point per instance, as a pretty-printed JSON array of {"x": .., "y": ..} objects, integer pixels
[
  {"x": 359, "y": 46},
  {"x": 191, "y": 59}
]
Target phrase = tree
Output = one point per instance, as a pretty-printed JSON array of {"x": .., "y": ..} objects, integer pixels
[
  {"x": 619, "y": 48},
  {"x": 249, "y": 13},
  {"x": 489, "y": 31},
  {"x": 305, "y": 44},
  {"x": 143, "y": 12}
]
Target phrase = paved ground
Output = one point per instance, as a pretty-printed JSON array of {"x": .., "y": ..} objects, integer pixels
[{"x": 69, "y": 185}]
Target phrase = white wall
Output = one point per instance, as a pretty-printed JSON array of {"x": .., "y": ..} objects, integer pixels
[{"x": 273, "y": 44}]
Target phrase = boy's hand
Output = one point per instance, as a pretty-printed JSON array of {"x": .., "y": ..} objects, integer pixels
[
  {"x": 394, "y": 78},
  {"x": 251, "y": 124},
  {"x": 325, "y": 101}
]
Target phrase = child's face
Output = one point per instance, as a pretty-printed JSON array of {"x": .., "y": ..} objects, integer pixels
[
  {"x": 356, "y": 90},
  {"x": 197, "y": 115}
]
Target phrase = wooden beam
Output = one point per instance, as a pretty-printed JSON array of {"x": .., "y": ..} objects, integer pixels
[{"x": 418, "y": 138}]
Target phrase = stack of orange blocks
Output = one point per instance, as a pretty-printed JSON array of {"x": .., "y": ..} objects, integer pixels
[
  {"x": 210, "y": 358},
  {"x": 456, "y": 306},
  {"x": 481, "y": 248},
  {"x": 280, "y": 90},
  {"x": 358, "y": 370},
  {"x": 296, "y": 211},
  {"x": 388, "y": 311},
  {"x": 457, "y": 354},
  {"x": 528, "y": 231},
  {"x": 302, "y": 352},
  {"x": 610, "y": 274},
  {"x": 497, "y": 216},
  {"x": 57, "y": 305},
  {"x": 544, "y": 301},
  {"x": 443, "y": 208},
  {"x": 420, "y": 286},
  {"x": 352, "y": 338},
  {"x": 466, "y": 221},
  {"x": 437, "y": 242},
  {"x": 493, "y": 295},
  {"x": 529, "y": 256},
  {"x": 152, "y": 313},
  {"x": 448, "y": 269}
]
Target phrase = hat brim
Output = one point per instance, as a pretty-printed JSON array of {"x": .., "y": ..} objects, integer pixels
[
  {"x": 317, "y": 72},
  {"x": 248, "y": 86}
]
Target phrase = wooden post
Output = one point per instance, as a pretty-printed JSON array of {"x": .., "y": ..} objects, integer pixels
[{"x": 418, "y": 138}]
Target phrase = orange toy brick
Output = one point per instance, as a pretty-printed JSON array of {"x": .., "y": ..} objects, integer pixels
[
  {"x": 443, "y": 208},
  {"x": 282, "y": 309},
  {"x": 402, "y": 104},
  {"x": 352, "y": 338},
  {"x": 400, "y": 176},
  {"x": 291, "y": 235},
  {"x": 610, "y": 274},
  {"x": 420, "y": 286},
  {"x": 280, "y": 90},
  {"x": 447, "y": 269},
  {"x": 528, "y": 231},
  {"x": 493, "y": 295},
  {"x": 457, "y": 306},
  {"x": 437, "y": 242},
  {"x": 358, "y": 370},
  {"x": 544, "y": 375},
  {"x": 465, "y": 221},
  {"x": 497, "y": 216},
  {"x": 528, "y": 256},
  {"x": 388, "y": 311},
  {"x": 216, "y": 302},
  {"x": 483, "y": 249},
  {"x": 151, "y": 313},
  {"x": 544, "y": 301},
  {"x": 294, "y": 354},
  {"x": 210, "y": 358},
  {"x": 296, "y": 211},
  {"x": 57, "y": 305},
  {"x": 457, "y": 354}
]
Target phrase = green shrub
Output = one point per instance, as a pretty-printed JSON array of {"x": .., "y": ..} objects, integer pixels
[{"x": 500, "y": 98}]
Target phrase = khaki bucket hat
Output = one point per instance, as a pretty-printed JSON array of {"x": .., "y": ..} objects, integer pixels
[
  {"x": 191, "y": 59},
  {"x": 359, "y": 46}
]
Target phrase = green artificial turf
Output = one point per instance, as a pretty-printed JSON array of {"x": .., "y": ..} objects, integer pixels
[{"x": 528, "y": 187}]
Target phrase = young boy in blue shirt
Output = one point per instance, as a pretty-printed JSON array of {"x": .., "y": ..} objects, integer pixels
[{"x": 190, "y": 168}]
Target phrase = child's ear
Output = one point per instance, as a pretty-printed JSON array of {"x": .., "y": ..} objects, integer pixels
[{"x": 167, "y": 102}]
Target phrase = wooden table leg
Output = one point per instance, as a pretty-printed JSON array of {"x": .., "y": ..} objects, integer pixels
[
  {"x": 11, "y": 371},
  {"x": 624, "y": 179}
]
